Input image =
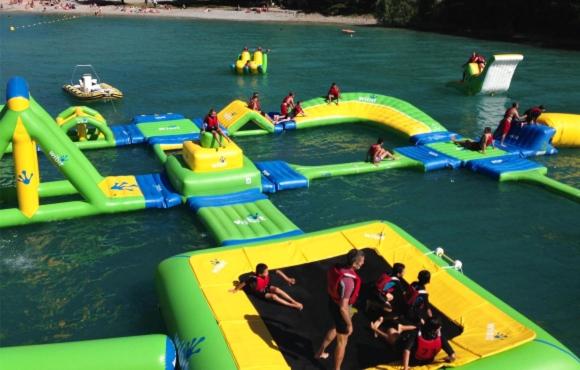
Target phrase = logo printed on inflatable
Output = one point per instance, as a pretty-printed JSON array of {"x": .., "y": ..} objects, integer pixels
[
  {"x": 368, "y": 99},
  {"x": 123, "y": 186},
  {"x": 186, "y": 349},
  {"x": 24, "y": 178},
  {"x": 58, "y": 159},
  {"x": 251, "y": 219},
  {"x": 377, "y": 236},
  {"x": 221, "y": 163},
  {"x": 168, "y": 128},
  {"x": 218, "y": 265}
]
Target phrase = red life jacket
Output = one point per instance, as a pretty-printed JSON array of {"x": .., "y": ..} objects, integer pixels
[
  {"x": 334, "y": 91},
  {"x": 373, "y": 150},
  {"x": 384, "y": 281},
  {"x": 284, "y": 109},
  {"x": 297, "y": 110},
  {"x": 414, "y": 293},
  {"x": 212, "y": 122},
  {"x": 288, "y": 99},
  {"x": 262, "y": 282},
  {"x": 427, "y": 349},
  {"x": 335, "y": 275}
]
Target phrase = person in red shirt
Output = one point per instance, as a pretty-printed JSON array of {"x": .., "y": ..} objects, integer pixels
[
  {"x": 259, "y": 284},
  {"x": 289, "y": 100},
  {"x": 333, "y": 93},
  {"x": 475, "y": 58},
  {"x": 254, "y": 104},
  {"x": 377, "y": 153},
  {"x": 211, "y": 124},
  {"x": 506, "y": 123},
  {"x": 297, "y": 111},
  {"x": 343, "y": 286},
  {"x": 485, "y": 141},
  {"x": 533, "y": 114}
]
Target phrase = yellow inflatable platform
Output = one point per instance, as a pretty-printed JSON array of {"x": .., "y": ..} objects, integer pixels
[{"x": 567, "y": 128}]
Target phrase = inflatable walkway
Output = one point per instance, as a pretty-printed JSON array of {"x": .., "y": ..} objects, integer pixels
[
  {"x": 236, "y": 331},
  {"x": 388, "y": 112},
  {"x": 495, "y": 78}
]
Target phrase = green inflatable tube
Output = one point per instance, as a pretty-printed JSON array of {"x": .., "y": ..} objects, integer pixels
[
  {"x": 538, "y": 177},
  {"x": 342, "y": 169},
  {"x": 147, "y": 352}
]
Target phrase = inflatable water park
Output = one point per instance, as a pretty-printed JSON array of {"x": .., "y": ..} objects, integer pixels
[{"x": 207, "y": 326}]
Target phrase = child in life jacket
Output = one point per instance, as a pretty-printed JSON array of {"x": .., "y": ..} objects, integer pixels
[
  {"x": 377, "y": 153},
  {"x": 259, "y": 284},
  {"x": 486, "y": 140},
  {"x": 420, "y": 347},
  {"x": 388, "y": 298},
  {"x": 419, "y": 309}
]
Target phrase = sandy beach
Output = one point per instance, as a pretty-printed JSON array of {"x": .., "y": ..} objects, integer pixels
[{"x": 138, "y": 9}]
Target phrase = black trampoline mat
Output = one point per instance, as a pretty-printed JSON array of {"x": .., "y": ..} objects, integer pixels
[{"x": 299, "y": 334}]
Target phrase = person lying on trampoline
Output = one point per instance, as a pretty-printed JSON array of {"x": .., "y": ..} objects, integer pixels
[
  {"x": 260, "y": 286},
  {"x": 485, "y": 141},
  {"x": 377, "y": 153}
]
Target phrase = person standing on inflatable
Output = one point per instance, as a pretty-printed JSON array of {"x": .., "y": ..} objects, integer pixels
[
  {"x": 333, "y": 93},
  {"x": 343, "y": 286},
  {"x": 533, "y": 114},
  {"x": 506, "y": 123}
]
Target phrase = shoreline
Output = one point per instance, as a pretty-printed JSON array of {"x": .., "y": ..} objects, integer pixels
[{"x": 208, "y": 13}]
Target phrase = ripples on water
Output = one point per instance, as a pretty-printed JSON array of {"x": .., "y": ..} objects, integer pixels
[{"x": 93, "y": 277}]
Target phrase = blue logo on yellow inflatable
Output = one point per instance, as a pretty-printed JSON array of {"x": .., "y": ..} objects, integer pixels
[
  {"x": 123, "y": 186},
  {"x": 24, "y": 178}
]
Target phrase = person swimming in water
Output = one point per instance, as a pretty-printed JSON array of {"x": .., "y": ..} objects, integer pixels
[{"x": 485, "y": 141}]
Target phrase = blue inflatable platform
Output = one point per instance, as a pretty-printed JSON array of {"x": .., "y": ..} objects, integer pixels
[{"x": 282, "y": 175}]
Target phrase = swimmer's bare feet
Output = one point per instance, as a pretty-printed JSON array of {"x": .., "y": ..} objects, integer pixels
[
  {"x": 322, "y": 356},
  {"x": 299, "y": 306}
]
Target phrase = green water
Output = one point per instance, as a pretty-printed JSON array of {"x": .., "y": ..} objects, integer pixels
[{"x": 93, "y": 278}]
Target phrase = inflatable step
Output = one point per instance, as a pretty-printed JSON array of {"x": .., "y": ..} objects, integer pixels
[
  {"x": 127, "y": 134},
  {"x": 431, "y": 159},
  {"x": 242, "y": 217},
  {"x": 157, "y": 191},
  {"x": 496, "y": 167},
  {"x": 267, "y": 185},
  {"x": 282, "y": 175},
  {"x": 246, "y": 196},
  {"x": 529, "y": 140}
]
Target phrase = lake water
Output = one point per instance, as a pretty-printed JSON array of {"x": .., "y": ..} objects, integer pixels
[{"x": 93, "y": 278}]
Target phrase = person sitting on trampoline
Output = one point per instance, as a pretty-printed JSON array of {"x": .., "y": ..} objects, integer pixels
[
  {"x": 211, "y": 124},
  {"x": 259, "y": 284},
  {"x": 388, "y": 299},
  {"x": 418, "y": 307},
  {"x": 485, "y": 141},
  {"x": 418, "y": 347},
  {"x": 377, "y": 153}
]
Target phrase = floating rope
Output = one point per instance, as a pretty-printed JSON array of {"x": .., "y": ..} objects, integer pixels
[{"x": 66, "y": 18}]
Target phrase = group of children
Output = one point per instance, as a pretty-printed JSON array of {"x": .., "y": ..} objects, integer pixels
[{"x": 400, "y": 313}]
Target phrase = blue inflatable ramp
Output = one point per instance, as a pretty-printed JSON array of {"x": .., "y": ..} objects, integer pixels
[
  {"x": 431, "y": 159},
  {"x": 127, "y": 134},
  {"x": 157, "y": 191},
  {"x": 495, "y": 167},
  {"x": 529, "y": 140},
  {"x": 282, "y": 175}
]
